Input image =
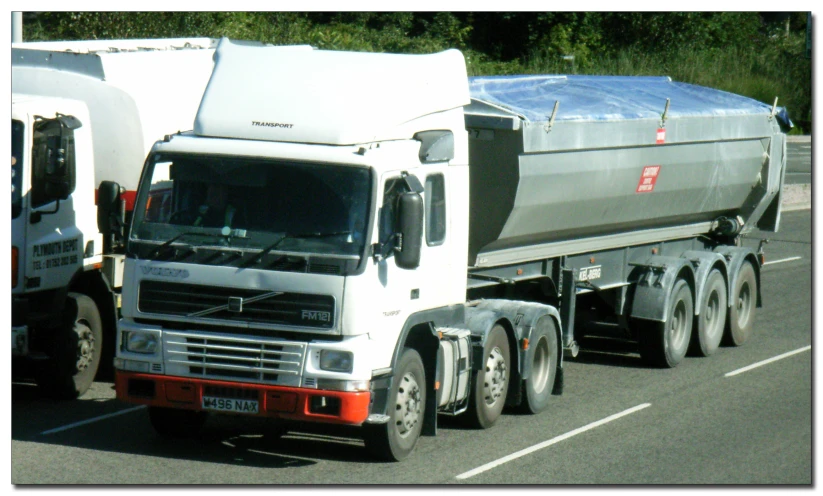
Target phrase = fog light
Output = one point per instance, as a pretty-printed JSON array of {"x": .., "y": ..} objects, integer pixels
[
  {"x": 338, "y": 385},
  {"x": 131, "y": 365},
  {"x": 336, "y": 361}
]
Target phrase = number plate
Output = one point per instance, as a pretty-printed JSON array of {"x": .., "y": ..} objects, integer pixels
[{"x": 230, "y": 405}]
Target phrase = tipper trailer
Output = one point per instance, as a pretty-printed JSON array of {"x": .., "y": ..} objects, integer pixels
[
  {"x": 400, "y": 241},
  {"x": 84, "y": 116}
]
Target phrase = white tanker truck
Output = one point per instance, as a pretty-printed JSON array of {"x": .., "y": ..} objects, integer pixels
[
  {"x": 84, "y": 116},
  {"x": 406, "y": 242}
]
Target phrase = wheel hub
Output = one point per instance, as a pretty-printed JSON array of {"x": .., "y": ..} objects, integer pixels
[
  {"x": 494, "y": 383},
  {"x": 678, "y": 325},
  {"x": 408, "y": 406},
  {"x": 85, "y": 346}
]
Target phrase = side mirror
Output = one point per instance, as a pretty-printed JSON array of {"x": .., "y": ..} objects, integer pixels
[
  {"x": 109, "y": 219},
  {"x": 410, "y": 213}
]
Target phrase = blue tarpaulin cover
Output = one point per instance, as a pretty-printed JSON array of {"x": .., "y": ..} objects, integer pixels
[{"x": 586, "y": 98}]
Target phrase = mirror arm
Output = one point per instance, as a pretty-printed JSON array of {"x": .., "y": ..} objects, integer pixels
[{"x": 37, "y": 215}]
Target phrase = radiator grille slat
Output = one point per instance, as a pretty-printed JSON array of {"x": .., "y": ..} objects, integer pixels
[{"x": 263, "y": 360}]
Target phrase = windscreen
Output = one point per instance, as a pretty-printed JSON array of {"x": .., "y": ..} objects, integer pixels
[{"x": 252, "y": 205}]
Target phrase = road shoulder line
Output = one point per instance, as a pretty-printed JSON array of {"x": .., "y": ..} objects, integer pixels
[
  {"x": 91, "y": 420},
  {"x": 768, "y": 361},
  {"x": 545, "y": 444}
]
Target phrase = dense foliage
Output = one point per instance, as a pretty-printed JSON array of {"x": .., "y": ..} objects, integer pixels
[{"x": 753, "y": 54}]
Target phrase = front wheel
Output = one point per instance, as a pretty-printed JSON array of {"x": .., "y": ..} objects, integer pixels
[
  {"x": 76, "y": 352},
  {"x": 395, "y": 440},
  {"x": 491, "y": 382}
]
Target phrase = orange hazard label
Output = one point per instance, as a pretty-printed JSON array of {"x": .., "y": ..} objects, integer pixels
[{"x": 648, "y": 178}]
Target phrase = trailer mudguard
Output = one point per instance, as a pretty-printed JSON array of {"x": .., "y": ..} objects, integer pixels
[
  {"x": 655, "y": 278},
  {"x": 703, "y": 262},
  {"x": 735, "y": 256}
]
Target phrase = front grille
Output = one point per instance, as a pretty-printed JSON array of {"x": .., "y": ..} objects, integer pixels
[
  {"x": 229, "y": 358},
  {"x": 192, "y": 300}
]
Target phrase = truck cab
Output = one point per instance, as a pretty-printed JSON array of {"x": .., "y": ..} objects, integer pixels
[
  {"x": 53, "y": 236},
  {"x": 340, "y": 236}
]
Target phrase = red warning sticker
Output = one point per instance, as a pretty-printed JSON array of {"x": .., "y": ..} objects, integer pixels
[
  {"x": 648, "y": 178},
  {"x": 661, "y": 135}
]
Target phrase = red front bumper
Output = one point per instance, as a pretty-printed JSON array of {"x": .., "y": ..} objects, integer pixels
[{"x": 301, "y": 404}]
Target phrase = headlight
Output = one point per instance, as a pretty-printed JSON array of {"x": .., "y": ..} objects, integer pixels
[
  {"x": 336, "y": 361},
  {"x": 141, "y": 342}
]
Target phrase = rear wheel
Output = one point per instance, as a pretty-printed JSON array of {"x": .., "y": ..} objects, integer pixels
[
  {"x": 712, "y": 319},
  {"x": 176, "y": 424},
  {"x": 395, "y": 440},
  {"x": 741, "y": 311},
  {"x": 491, "y": 383},
  {"x": 542, "y": 358},
  {"x": 664, "y": 344},
  {"x": 76, "y": 353}
]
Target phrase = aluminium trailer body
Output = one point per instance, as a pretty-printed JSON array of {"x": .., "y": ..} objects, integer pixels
[{"x": 606, "y": 178}]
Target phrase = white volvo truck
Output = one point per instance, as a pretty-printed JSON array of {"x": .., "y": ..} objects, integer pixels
[
  {"x": 394, "y": 241},
  {"x": 84, "y": 116}
]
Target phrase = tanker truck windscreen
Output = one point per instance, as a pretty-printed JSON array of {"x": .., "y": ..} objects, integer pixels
[{"x": 257, "y": 212}]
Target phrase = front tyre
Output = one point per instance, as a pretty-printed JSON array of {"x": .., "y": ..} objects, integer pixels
[
  {"x": 395, "y": 440},
  {"x": 76, "y": 353},
  {"x": 491, "y": 383}
]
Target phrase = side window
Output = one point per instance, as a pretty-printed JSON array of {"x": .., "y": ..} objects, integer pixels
[
  {"x": 435, "y": 210},
  {"x": 388, "y": 211},
  {"x": 47, "y": 146}
]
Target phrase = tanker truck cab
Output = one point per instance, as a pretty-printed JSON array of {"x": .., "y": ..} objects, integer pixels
[
  {"x": 53, "y": 236},
  {"x": 331, "y": 242}
]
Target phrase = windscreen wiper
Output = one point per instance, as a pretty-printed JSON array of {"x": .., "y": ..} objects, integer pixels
[
  {"x": 168, "y": 243},
  {"x": 258, "y": 257}
]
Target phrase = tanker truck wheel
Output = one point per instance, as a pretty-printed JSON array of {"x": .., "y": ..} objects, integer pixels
[
  {"x": 741, "y": 311},
  {"x": 491, "y": 382},
  {"x": 542, "y": 358},
  {"x": 76, "y": 352},
  {"x": 709, "y": 325},
  {"x": 664, "y": 344},
  {"x": 395, "y": 440},
  {"x": 176, "y": 424}
]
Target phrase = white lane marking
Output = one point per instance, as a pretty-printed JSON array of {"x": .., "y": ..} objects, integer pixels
[
  {"x": 783, "y": 260},
  {"x": 89, "y": 421},
  {"x": 545, "y": 444},
  {"x": 770, "y": 360}
]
